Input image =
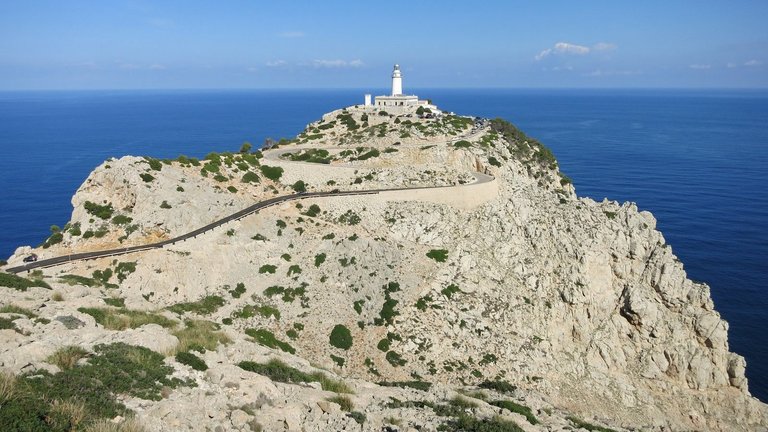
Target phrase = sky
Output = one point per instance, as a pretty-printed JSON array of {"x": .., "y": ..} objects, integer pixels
[{"x": 191, "y": 44}]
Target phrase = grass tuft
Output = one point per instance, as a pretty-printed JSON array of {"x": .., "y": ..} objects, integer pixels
[
  {"x": 278, "y": 371},
  {"x": 67, "y": 357},
  {"x": 121, "y": 319}
]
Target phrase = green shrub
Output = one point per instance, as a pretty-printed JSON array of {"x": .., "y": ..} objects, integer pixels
[
  {"x": 250, "y": 177},
  {"x": 249, "y": 311},
  {"x": 394, "y": 359},
  {"x": 499, "y": 386},
  {"x": 268, "y": 339},
  {"x": 71, "y": 279},
  {"x": 383, "y": 345},
  {"x": 312, "y": 211},
  {"x": 294, "y": 269},
  {"x": 100, "y": 211},
  {"x": 192, "y": 360},
  {"x": 165, "y": 205},
  {"x": 299, "y": 186},
  {"x": 205, "y": 306},
  {"x": 517, "y": 408},
  {"x": 278, "y": 371},
  {"x": 115, "y": 301},
  {"x": 388, "y": 312},
  {"x": 493, "y": 161},
  {"x": 154, "y": 163},
  {"x": 272, "y": 173},
  {"x": 439, "y": 255},
  {"x": 338, "y": 360},
  {"x": 450, "y": 290},
  {"x": 121, "y": 220},
  {"x": 319, "y": 259},
  {"x": 238, "y": 291},
  {"x": 220, "y": 178},
  {"x": 462, "y": 144},
  {"x": 19, "y": 283},
  {"x": 267, "y": 268},
  {"x": 232, "y": 189},
  {"x": 53, "y": 239},
  {"x": 147, "y": 177},
  {"x": 123, "y": 269},
  {"x": 357, "y": 416},
  {"x": 341, "y": 337}
]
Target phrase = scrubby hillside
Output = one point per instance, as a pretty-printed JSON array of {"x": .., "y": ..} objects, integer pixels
[{"x": 474, "y": 286}]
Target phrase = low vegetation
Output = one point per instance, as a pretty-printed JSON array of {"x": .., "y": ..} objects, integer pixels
[
  {"x": 439, "y": 255},
  {"x": 84, "y": 395},
  {"x": 121, "y": 319},
  {"x": 200, "y": 335},
  {"x": 205, "y": 306},
  {"x": 341, "y": 337},
  {"x": 268, "y": 339},
  {"x": 19, "y": 283},
  {"x": 278, "y": 371}
]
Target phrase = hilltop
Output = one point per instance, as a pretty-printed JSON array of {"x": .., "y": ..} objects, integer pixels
[{"x": 466, "y": 287}]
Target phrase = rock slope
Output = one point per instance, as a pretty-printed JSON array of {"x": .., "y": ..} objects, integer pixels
[{"x": 512, "y": 304}]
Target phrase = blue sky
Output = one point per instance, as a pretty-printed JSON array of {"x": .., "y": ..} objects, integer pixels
[{"x": 121, "y": 44}]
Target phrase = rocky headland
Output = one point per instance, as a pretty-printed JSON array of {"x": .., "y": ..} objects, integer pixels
[{"x": 472, "y": 290}]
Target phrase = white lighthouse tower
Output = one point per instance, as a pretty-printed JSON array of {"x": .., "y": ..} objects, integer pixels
[{"x": 397, "y": 82}]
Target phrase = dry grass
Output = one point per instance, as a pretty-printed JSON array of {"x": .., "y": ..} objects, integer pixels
[
  {"x": 67, "y": 414},
  {"x": 13, "y": 309},
  {"x": 121, "y": 319},
  {"x": 67, "y": 357},
  {"x": 343, "y": 401},
  {"x": 130, "y": 424},
  {"x": 57, "y": 296},
  {"x": 199, "y": 334},
  {"x": 8, "y": 387}
]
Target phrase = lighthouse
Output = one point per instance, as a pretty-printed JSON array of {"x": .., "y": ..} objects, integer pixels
[
  {"x": 397, "y": 81},
  {"x": 397, "y": 101}
]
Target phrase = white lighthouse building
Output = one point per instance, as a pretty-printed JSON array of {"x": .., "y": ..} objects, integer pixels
[{"x": 398, "y": 100}]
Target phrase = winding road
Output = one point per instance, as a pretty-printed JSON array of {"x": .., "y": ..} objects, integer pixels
[{"x": 49, "y": 262}]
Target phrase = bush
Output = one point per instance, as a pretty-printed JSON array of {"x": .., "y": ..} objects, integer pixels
[
  {"x": 53, "y": 239},
  {"x": 115, "y": 301},
  {"x": 499, "y": 386},
  {"x": 299, "y": 186},
  {"x": 312, "y": 211},
  {"x": 319, "y": 259},
  {"x": 154, "y": 163},
  {"x": 493, "y": 161},
  {"x": 250, "y": 177},
  {"x": 268, "y": 339},
  {"x": 165, "y": 205},
  {"x": 439, "y": 255},
  {"x": 272, "y": 173},
  {"x": 192, "y": 360},
  {"x": 341, "y": 337},
  {"x": 206, "y": 305},
  {"x": 238, "y": 291},
  {"x": 19, "y": 283},
  {"x": 517, "y": 408},
  {"x": 394, "y": 359},
  {"x": 147, "y": 177},
  {"x": 121, "y": 220},
  {"x": 588, "y": 426},
  {"x": 450, "y": 290},
  {"x": 100, "y": 211},
  {"x": 278, "y": 371},
  {"x": 462, "y": 144},
  {"x": 267, "y": 268},
  {"x": 383, "y": 345}
]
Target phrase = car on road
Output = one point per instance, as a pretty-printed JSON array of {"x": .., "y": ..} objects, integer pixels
[{"x": 30, "y": 258}]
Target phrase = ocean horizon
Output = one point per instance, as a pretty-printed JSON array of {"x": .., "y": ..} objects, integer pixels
[{"x": 695, "y": 158}]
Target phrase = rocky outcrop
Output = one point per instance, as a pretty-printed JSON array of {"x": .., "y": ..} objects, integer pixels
[{"x": 581, "y": 305}]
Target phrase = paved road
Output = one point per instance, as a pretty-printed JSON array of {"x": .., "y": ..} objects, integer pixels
[{"x": 480, "y": 178}]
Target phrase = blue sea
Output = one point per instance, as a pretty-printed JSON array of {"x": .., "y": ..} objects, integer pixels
[{"x": 697, "y": 159}]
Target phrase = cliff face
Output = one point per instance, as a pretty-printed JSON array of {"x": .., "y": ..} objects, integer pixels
[{"x": 581, "y": 305}]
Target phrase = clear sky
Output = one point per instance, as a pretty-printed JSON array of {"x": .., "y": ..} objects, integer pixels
[{"x": 143, "y": 44}]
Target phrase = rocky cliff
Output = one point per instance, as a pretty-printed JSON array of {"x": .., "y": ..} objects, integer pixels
[{"x": 481, "y": 293}]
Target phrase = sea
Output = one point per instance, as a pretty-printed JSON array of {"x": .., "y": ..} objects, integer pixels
[{"x": 696, "y": 159}]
